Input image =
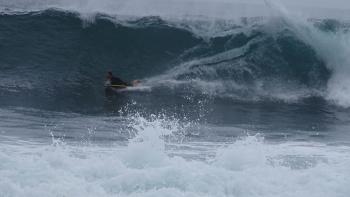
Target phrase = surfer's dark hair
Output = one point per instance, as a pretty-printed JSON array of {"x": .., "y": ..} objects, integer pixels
[{"x": 110, "y": 73}]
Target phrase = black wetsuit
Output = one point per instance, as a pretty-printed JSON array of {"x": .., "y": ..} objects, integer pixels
[{"x": 117, "y": 81}]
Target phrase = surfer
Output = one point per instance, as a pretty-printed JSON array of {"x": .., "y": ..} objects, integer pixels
[{"x": 117, "y": 83}]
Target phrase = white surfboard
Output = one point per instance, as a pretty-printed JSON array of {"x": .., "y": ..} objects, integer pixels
[{"x": 139, "y": 88}]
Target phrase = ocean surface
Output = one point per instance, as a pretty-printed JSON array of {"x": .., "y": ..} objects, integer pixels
[{"x": 250, "y": 106}]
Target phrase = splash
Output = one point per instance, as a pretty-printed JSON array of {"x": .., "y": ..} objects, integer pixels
[{"x": 247, "y": 167}]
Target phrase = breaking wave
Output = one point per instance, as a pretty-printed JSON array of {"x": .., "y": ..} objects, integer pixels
[{"x": 59, "y": 58}]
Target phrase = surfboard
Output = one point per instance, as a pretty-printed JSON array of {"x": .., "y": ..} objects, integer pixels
[
  {"x": 139, "y": 88},
  {"x": 136, "y": 87}
]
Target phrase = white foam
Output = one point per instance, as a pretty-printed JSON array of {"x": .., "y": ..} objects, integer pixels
[
  {"x": 176, "y": 8},
  {"x": 331, "y": 47},
  {"x": 247, "y": 167},
  {"x": 180, "y": 8}
]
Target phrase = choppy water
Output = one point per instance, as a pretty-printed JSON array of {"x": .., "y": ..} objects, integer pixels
[{"x": 254, "y": 106}]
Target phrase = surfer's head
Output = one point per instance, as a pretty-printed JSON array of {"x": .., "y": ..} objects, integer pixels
[{"x": 109, "y": 75}]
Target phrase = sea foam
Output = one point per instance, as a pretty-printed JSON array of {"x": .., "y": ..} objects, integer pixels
[{"x": 248, "y": 166}]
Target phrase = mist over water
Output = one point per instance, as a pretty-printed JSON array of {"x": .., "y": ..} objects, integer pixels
[{"x": 241, "y": 98}]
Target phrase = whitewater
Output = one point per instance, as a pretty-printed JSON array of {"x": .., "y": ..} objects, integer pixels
[{"x": 237, "y": 99}]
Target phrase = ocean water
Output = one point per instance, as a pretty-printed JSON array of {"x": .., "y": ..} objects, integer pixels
[{"x": 234, "y": 106}]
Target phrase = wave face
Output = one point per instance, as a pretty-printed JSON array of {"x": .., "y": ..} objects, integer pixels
[
  {"x": 53, "y": 55},
  {"x": 57, "y": 60}
]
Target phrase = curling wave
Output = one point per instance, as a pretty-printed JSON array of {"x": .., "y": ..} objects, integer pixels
[{"x": 55, "y": 58}]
